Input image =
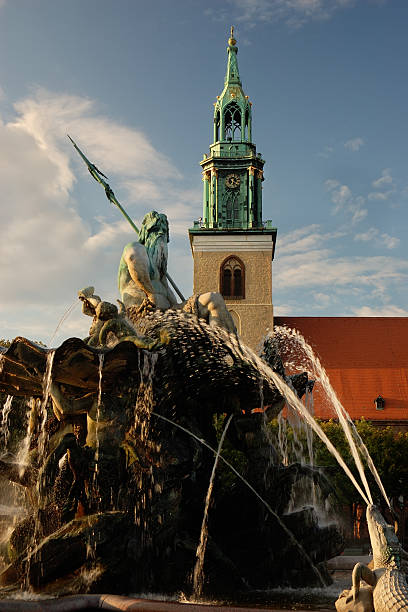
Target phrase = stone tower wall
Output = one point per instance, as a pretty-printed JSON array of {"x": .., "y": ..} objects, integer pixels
[{"x": 253, "y": 315}]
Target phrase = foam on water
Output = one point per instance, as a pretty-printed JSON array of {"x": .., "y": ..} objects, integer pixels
[
  {"x": 5, "y": 432},
  {"x": 46, "y": 383}
]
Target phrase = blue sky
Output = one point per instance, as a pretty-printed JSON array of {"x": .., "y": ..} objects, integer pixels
[{"x": 134, "y": 84}]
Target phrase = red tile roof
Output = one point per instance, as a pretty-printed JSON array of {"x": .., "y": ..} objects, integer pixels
[{"x": 364, "y": 357}]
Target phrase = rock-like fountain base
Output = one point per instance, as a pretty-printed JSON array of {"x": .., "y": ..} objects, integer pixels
[{"x": 116, "y": 492}]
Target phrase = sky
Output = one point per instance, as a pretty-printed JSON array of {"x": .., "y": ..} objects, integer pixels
[{"x": 133, "y": 83}]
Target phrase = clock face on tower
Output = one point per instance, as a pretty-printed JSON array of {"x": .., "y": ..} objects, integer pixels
[{"x": 232, "y": 181}]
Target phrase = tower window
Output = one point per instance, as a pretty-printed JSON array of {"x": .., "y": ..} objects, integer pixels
[
  {"x": 217, "y": 126},
  {"x": 232, "y": 120},
  {"x": 227, "y": 284},
  {"x": 237, "y": 282},
  {"x": 232, "y": 279}
]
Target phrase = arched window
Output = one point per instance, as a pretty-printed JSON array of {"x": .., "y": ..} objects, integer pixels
[
  {"x": 232, "y": 121},
  {"x": 217, "y": 127},
  {"x": 237, "y": 282},
  {"x": 232, "y": 279}
]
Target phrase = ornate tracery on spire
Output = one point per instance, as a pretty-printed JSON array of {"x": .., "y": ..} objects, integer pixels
[
  {"x": 232, "y": 173},
  {"x": 232, "y": 112}
]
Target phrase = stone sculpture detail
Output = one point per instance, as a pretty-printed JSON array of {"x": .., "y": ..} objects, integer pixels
[
  {"x": 387, "y": 588},
  {"x": 113, "y": 486},
  {"x": 143, "y": 275}
]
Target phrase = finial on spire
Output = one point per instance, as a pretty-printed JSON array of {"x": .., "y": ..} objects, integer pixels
[{"x": 232, "y": 40}]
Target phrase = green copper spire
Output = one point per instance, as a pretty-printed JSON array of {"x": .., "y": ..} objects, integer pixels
[
  {"x": 232, "y": 112},
  {"x": 233, "y": 171},
  {"x": 232, "y": 76}
]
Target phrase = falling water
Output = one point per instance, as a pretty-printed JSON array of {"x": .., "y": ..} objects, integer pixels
[
  {"x": 46, "y": 385},
  {"x": 349, "y": 428},
  {"x": 299, "y": 428},
  {"x": 301, "y": 431},
  {"x": 24, "y": 449},
  {"x": 101, "y": 360},
  {"x": 91, "y": 543},
  {"x": 98, "y": 417},
  {"x": 62, "y": 320},
  {"x": 198, "y": 577},
  {"x": 42, "y": 443},
  {"x": 151, "y": 483},
  {"x": 295, "y": 403},
  {"x": 5, "y": 432},
  {"x": 144, "y": 399},
  {"x": 42, "y": 448},
  {"x": 283, "y": 439},
  {"x": 309, "y": 403},
  {"x": 255, "y": 492}
]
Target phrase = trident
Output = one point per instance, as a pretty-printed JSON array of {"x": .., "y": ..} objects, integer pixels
[{"x": 97, "y": 175}]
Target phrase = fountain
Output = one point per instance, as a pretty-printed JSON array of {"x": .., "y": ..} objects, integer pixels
[
  {"x": 121, "y": 444},
  {"x": 130, "y": 481}
]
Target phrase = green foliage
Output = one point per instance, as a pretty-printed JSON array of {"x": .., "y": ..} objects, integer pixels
[
  {"x": 226, "y": 476},
  {"x": 388, "y": 450}
]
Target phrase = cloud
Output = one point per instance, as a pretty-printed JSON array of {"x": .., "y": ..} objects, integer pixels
[
  {"x": 48, "y": 117},
  {"x": 388, "y": 310},
  {"x": 322, "y": 299},
  {"x": 384, "y": 185},
  {"x": 331, "y": 184},
  {"x": 354, "y": 144},
  {"x": 327, "y": 151},
  {"x": 343, "y": 199},
  {"x": 367, "y": 236},
  {"x": 55, "y": 242},
  {"x": 324, "y": 280},
  {"x": 341, "y": 196},
  {"x": 305, "y": 239},
  {"x": 283, "y": 310},
  {"x": 380, "y": 195},
  {"x": 321, "y": 268},
  {"x": 295, "y": 13},
  {"x": 384, "y": 181},
  {"x": 106, "y": 236},
  {"x": 379, "y": 239},
  {"x": 358, "y": 213},
  {"x": 323, "y": 272}
]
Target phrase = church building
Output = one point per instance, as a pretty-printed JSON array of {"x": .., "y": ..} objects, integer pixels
[
  {"x": 232, "y": 246},
  {"x": 233, "y": 249}
]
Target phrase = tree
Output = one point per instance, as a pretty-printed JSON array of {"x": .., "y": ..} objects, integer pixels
[{"x": 388, "y": 450}]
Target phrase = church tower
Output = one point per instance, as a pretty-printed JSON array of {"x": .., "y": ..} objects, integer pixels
[{"x": 232, "y": 247}]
